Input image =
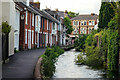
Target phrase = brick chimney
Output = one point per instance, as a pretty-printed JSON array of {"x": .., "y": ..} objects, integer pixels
[
  {"x": 36, "y": 5},
  {"x": 92, "y": 14}
]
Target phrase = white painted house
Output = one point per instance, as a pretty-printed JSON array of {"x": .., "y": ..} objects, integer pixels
[{"x": 8, "y": 14}]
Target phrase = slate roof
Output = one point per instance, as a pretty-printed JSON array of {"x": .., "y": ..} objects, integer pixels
[
  {"x": 86, "y": 17},
  {"x": 37, "y": 11}
]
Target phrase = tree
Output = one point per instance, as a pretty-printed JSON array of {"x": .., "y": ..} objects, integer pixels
[
  {"x": 105, "y": 15},
  {"x": 67, "y": 23},
  {"x": 73, "y": 14}
]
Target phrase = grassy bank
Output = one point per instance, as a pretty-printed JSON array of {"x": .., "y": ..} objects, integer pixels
[{"x": 48, "y": 61}]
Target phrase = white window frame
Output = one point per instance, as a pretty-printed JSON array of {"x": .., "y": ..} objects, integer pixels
[
  {"x": 93, "y": 22},
  {"x": 26, "y": 17},
  {"x": 26, "y": 36},
  {"x": 32, "y": 37},
  {"x": 82, "y": 22},
  {"x": 47, "y": 24},
  {"x": 32, "y": 19},
  {"x": 90, "y": 23},
  {"x": 75, "y": 22}
]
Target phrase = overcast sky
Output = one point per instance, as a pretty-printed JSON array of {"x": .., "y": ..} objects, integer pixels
[{"x": 81, "y": 6}]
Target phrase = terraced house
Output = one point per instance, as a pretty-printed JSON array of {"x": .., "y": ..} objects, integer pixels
[{"x": 31, "y": 27}]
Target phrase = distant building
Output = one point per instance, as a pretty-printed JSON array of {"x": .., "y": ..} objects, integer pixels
[{"x": 84, "y": 24}]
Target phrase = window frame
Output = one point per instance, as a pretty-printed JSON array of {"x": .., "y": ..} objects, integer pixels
[
  {"x": 26, "y": 18},
  {"x": 75, "y": 23},
  {"x": 32, "y": 19},
  {"x": 26, "y": 31},
  {"x": 32, "y": 37}
]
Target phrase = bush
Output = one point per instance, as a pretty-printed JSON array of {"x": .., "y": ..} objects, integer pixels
[
  {"x": 58, "y": 50},
  {"x": 79, "y": 43},
  {"x": 80, "y": 59},
  {"x": 48, "y": 68},
  {"x": 49, "y": 59},
  {"x": 6, "y": 27}
]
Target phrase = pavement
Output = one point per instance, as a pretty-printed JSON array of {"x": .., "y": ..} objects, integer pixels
[{"x": 21, "y": 64}]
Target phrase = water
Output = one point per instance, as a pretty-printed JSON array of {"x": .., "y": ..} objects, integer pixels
[{"x": 66, "y": 67}]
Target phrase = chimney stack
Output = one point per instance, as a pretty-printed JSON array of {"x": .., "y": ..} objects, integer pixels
[
  {"x": 92, "y": 14},
  {"x": 36, "y": 4},
  {"x": 27, "y": 2}
]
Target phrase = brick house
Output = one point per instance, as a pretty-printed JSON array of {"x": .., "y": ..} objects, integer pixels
[
  {"x": 83, "y": 24},
  {"x": 58, "y": 30},
  {"x": 27, "y": 26}
]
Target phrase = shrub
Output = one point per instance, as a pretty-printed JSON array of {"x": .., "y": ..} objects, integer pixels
[
  {"x": 49, "y": 59},
  {"x": 48, "y": 67},
  {"x": 80, "y": 59},
  {"x": 6, "y": 27},
  {"x": 79, "y": 43}
]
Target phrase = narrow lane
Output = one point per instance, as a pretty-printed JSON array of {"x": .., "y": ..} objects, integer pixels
[
  {"x": 22, "y": 64},
  {"x": 66, "y": 67}
]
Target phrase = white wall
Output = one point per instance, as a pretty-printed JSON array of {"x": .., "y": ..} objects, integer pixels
[
  {"x": 0, "y": 33},
  {"x": 17, "y": 29},
  {"x": 8, "y": 14},
  {"x": 0, "y": 41}
]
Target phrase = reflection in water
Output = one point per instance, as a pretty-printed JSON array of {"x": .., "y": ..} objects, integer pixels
[{"x": 66, "y": 67}]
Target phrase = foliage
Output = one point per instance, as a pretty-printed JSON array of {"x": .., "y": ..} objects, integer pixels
[
  {"x": 105, "y": 15},
  {"x": 113, "y": 23},
  {"x": 58, "y": 50},
  {"x": 73, "y": 14},
  {"x": 68, "y": 24},
  {"x": 80, "y": 59},
  {"x": 101, "y": 49},
  {"x": 49, "y": 59},
  {"x": 79, "y": 43},
  {"x": 113, "y": 49},
  {"x": 6, "y": 27},
  {"x": 48, "y": 67}
]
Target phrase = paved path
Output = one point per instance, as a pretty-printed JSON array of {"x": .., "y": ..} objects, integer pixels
[{"x": 22, "y": 64}]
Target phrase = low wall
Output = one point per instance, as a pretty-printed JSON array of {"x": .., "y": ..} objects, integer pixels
[{"x": 37, "y": 72}]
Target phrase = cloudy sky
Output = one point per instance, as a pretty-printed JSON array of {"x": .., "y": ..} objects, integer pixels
[{"x": 81, "y": 6}]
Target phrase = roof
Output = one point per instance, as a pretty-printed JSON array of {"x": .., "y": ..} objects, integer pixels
[
  {"x": 50, "y": 17},
  {"x": 37, "y": 11},
  {"x": 61, "y": 13},
  {"x": 86, "y": 17}
]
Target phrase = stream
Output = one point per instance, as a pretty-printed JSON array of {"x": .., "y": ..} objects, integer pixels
[{"x": 66, "y": 67}]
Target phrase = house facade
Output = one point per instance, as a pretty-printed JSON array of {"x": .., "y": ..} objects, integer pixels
[
  {"x": 83, "y": 24},
  {"x": 58, "y": 29},
  {"x": 27, "y": 26},
  {"x": 31, "y": 27},
  {"x": 8, "y": 14}
]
